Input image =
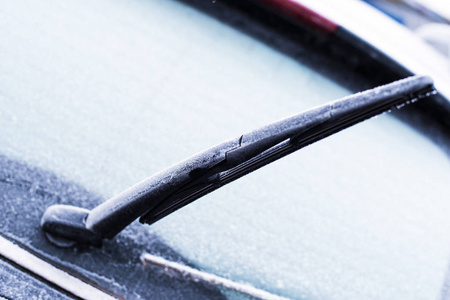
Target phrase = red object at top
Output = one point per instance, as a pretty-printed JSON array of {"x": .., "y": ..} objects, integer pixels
[{"x": 298, "y": 12}]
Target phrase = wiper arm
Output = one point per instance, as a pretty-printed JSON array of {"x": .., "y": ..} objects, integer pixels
[{"x": 179, "y": 185}]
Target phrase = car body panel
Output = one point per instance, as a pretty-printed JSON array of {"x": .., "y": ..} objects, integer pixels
[
  {"x": 20, "y": 285},
  {"x": 386, "y": 35}
]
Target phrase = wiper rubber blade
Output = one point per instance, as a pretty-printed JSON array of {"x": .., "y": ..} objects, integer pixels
[{"x": 179, "y": 185}]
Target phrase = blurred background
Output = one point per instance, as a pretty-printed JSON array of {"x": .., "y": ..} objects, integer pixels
[{"x": 430, "y": 19}]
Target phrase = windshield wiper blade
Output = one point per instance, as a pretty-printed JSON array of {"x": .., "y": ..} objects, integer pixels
[{"x": 179, "y": 185}]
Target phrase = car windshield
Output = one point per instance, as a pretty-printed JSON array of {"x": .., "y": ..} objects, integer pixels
[{"x": 105, "y": 94}]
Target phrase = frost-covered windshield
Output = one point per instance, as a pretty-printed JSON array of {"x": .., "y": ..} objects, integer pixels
[{"x": 106, "y": 93}]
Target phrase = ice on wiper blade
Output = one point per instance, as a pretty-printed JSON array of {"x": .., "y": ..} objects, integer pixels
[{"x": 179, "y": 185}]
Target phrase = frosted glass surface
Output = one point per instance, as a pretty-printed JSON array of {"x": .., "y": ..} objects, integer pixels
[{"x": 106, "y": 93}]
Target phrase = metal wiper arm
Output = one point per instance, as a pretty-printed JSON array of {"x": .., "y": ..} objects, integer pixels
[{"x": 179, "y": 185}]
